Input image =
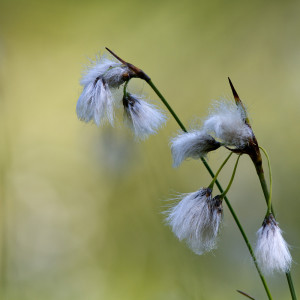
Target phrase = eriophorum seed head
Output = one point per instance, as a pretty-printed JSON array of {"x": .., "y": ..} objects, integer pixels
[
  {"x": 112, "y": 72},
  {"x": 272, "y": 252},
  {"x": 192, "y": 144},
  {"x": 96, "y": 103},
  {"x": 142, "y": 117},
  {"x": 196, "y": 219},
  {"x": 226, "y": 122}
]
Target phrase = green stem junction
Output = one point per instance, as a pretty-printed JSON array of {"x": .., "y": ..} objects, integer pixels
[{"x": 220, "y": 169}]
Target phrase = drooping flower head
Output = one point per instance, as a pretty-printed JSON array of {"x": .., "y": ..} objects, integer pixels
[
  {"x": 142, "y": 117},
  {"x": 96, "y": 101},
  {"x": 196, "y": 219},
  {"x": 193, "y": 144},
  {"x": 272, "y": 252},
  {"x": 226, "y": 122},
  {"x": 112, "y": 72}
]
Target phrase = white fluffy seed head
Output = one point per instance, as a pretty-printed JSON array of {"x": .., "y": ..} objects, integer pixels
[
  {"x": 196, "y": 219},
  {"x": 112, "y": 72},
  {"x": 226, "y": 122},
  {"x": 96, "y": 104},
  {"x": 272, "y": 252},
  {"x": 142, "y": 117},
  {"x": 192, "y": 144}
]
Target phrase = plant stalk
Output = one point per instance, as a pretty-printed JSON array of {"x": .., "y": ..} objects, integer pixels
[
  {"x": 231, "y": 179},
  {"x": 220, "y": 169},
  {"x": 220, "y": 189},
  {"x": 269, "y": 201},
  {"x": 257, "y": 160},
  {"x": 264, "y": 187}
]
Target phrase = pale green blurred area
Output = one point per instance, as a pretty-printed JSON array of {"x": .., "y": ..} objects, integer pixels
[{"x": 80, "y": 205}]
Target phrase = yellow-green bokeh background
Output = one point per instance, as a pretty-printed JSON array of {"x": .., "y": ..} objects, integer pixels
[{"x": 80, "y": 205}]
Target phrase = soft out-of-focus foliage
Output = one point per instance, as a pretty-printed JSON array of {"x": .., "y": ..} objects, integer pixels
[{"x": 81, "y": 206}]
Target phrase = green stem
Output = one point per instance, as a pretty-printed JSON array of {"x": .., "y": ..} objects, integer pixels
[
  {"x": 220, "y": 189},
  {"x": 218, "y": 172},
  {"x": 3, "y": 262},
  {"x": 269, "y": 201},
  {"x": 239, "y": 225},
  {"x": 125, "y": 89},
  {"x": 231, "y": 179},
  {"x": 291, "y": 285},
  {"x": 264, "y": 187},
  {"x": 5, "y": 162},
  {"x": 167, "y": 105}
]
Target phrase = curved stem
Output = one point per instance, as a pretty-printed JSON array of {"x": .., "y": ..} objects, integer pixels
[
  {"x": 264, "y": 187},
  {"x": 220, "y": 189},
  {"x": 218, "y": 172},
  {"x": 269, "y": 202},
  {"x": 125, "y": 89},
  {"x": 231, "y": 179}
]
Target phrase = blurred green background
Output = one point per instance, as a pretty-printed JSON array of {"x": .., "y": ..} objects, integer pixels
[{"x": 80, "y": 205}]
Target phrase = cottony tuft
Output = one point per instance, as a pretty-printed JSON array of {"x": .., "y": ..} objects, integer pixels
[
  {"x": 96, "y": 102},
  {"x": 196, "y": 219},
  {"x": 226, "y": 122},
  {"x": 272, "y": 252},
  {"x": 194, "y": 144},
  {"x": 142, "y": 117}
]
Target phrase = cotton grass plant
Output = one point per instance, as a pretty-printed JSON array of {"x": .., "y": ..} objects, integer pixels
[{"x": 196, "y": 217}]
